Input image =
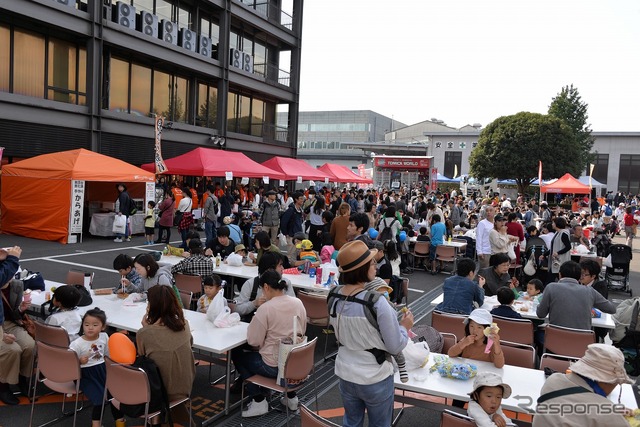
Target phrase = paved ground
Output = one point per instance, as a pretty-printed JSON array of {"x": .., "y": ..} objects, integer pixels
[{"x": 53, "y": 260}]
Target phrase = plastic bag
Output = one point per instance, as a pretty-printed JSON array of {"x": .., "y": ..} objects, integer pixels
[
  {"x": 119, "y": 224},
  {"x": 282, "y": 240},
  {"x": 416, "y": 355},
  {"x": 234, "y": 260},
  {"x": 226, "y": 318},
  {"x": 511, "y": 251},
  {"x": 216, "y": 307},
  {"x": 458, "y": 371},
  {"x": 531, "y": 267}
]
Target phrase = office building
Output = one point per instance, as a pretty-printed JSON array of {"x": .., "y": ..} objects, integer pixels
[{"x": 93, "y": 73}]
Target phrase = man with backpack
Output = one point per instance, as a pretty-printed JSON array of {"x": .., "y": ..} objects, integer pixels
[{"x": 389, "y": 225}]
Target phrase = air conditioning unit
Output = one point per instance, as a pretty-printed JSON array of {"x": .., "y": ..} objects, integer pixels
[
  {"x": 204, "y": 47},
  {"x": 169, "y": 31},
  {"x": 148, "y": 24},
  {"x": 236, "y": 58},
  {"x": 247, "y": 63},
  {"x": 71, "y": 3},
  {"x": 125, "y": 15},
  {"x": 187, "y": 39}
]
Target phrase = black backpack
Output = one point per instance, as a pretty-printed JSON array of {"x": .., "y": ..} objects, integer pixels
[
  {"x": 386, "y": 233},
  {"x": 159, "y": 399}
]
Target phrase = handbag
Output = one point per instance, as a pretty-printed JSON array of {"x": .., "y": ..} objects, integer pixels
[
  {"x": 31, "y": 280},
  {"x": 177, "y": 218},
  {"x": 119, "y": 224},
  {"x": 530, "y": 267},
  {"x": 285, "y": 347},
  {"x": 85, "y": 296}
]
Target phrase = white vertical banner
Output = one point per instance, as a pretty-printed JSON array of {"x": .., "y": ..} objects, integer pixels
[
  {"x": 149, "y": 194},
  {"x": 76, "y": 208}
]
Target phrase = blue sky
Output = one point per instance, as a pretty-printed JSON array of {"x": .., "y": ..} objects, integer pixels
[{"x": 468, "y": 62}]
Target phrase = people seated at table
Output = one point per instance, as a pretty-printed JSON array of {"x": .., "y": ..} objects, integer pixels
[
  {"x": 250, "y": 297},
  {"x": 235, "y": 233},
  {"x": 65, "y": 313},
  {"x": 577, "y": 236},
  {"x": 305, "y": 253},
  {"x": 423, "y": 236},
  {"x": 223, "y": 245},
  {"x": 151, "y": 272},
  {"x": 272, "y": 323},
  {"x": 590, "y": 276},
  {"x": 130, "y": 281},
  {"x": 473, "y": 345},
  {"x": 328, "y": 250},
  {"x": 197, "y": 264},
  {"x": 506, "y": 297},
  {"x": 366, "y": 376},
  {"x": 263, "y": 244},
  {"x": 16, "y": 345},
  {"x": 497, "y": 274},
  {"x": 212, "y": 284},
  {"x": 486, "y": 397},
  {"x": 460, "y": 291},
  {"x": 591, "y": 379},
  {"x": 568, "y": 303},
  {"x": 534, "y": 290},
  {"x": 193, "y": 234},
  {"x": 165, "y": 338}
]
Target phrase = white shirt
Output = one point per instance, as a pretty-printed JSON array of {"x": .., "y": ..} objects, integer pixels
[
  {"x": 547, "y": 238},
  {"x": 483, "y": 245},
  {"x": 70, "y": 320},
  {"x": 95, "y": 349}
]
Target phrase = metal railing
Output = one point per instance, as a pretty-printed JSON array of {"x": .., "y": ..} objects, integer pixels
[
  {"x": 272, "y": 74},
  {"x": 274, "y": 14}
]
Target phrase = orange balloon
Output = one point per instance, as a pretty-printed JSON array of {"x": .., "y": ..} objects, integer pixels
[{"x": 121, "y": 349}]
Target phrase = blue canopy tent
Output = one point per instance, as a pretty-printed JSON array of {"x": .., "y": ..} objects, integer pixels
[{"x": 443, "y": 179}]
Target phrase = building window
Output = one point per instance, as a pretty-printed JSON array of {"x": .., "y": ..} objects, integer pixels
[
  {"x": 207, "y": 102},
  {"x": 250, "y": 116},
  {"x": 42, "y": 67},
  {"x": 451, "y": 160},
  {"x": 601, "y": 162},
  {"x": 628, "y": 178},
  {"x": 139, "y": 90}
]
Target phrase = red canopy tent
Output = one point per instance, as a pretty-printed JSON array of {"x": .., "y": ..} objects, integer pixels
[
  {"x": 210, "y": 162},
  {"x": 344, "y": 174},
  {"x": 294, "y": 168},
  {"x": 566, "y": 184}
]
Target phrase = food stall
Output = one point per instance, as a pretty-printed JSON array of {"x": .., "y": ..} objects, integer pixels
[{"x": 396, "y": 171}]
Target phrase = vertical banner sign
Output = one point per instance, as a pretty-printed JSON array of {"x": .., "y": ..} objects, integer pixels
[
  {"x": 1, "y": 152},
  {"x": 160, "y": 166},
  {"x": 149, "y": 194},
  {"x": 361, "y": 167},
  {"x": 77, "y": 203},
  {"x": 434, "y": 178},
  {"x": 540, "y": 179}
]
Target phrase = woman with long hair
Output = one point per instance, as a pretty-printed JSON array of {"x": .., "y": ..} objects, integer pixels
[
  {"x": 316, "y": 224},
  {"x": 165, "y": 338}
]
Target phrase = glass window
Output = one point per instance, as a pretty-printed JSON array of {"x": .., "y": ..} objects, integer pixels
[
  {"x": 184, "y": 18},
  {"x": 28, "y": 64},
  {"x": 451, "y": 160},
  {"x": 163, "y": 10},
  {"x": 215, "y": 33},
  {"x": 233, "y": 40},
  {"x": 601, "y": 162},
  {"x": 181, "y": 89},
  {"x": 232, "y": 108},
  {"x": 207, "y": 106},
  {"x": 628, "y": 180},
  {"x": 5, "y": 62},
  {"x": 245, "y": 115},
  {"x": 82, "y": 76},
  {"x": 119, "y": 86},
  {"x": 140, "y": 90},
  {"x": 257, "y": 117},
  {"x": 247, "y": 45},
  {"x": 61, "y": 76},
  {"x": 143, "y": 5},
  {"x": 161, "y": 94}
]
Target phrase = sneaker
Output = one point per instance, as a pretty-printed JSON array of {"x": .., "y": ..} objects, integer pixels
[
  {"x": 117, "y": 240},
  {"x": 128, "y": 239},
  {"x": 8, "y": 398},
  {"x": 255, "y": 409},
  {"x": 292, "y": 403}
]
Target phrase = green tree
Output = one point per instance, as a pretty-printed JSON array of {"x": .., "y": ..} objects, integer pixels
[
  {"x": 511, "y": 146},
  {"x": 568, "y": 106}
]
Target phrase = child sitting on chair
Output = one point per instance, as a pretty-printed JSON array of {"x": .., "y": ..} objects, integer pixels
[
  {"x": 212, "y": 285},
  {"x": 306, "y": 253},
  {"x": 474, "y": 344},
  {"x": 64, "y": 302},
  {"x": 486, "y": 397},
  {"x": 505, "y": 309}
]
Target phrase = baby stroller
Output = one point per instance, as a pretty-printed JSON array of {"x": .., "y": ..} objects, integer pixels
[{"x": 617, "y": 276}]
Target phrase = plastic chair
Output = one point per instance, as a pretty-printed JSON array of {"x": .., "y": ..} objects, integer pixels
[
  {"x": 189, "y": 283},
  {"x": 567, "y": 341},
  {"x": 449, "y": 341},
  {"x": 517, "y": 354},
  {"x": 420, "y": 250},
  {"x": 557, "y": 362},
  {"x": 451, "y": 323},
  {"x": 308, "y": 418},
  {"x": 186, "y": 298},
  {"x": 77, "y": 277},
  {"x": 130, "y": 386},
  {"x": 515, "y": 330},
  {"x": 317, "y": 313},
  {"x": 52, "y": 335},
  {"x": 447, "y": 254},
  {"x": 298, "y": 367},
  {"x": 454, "y": 419},
  {"x": 60, "y": 368}
]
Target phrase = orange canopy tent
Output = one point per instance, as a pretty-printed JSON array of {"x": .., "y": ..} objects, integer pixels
[
  {"x": 566, "y": 184},
  {"x": 36, "y": 192},
  {"x": 344, "y": 174},
  {"x": 210, "y": 162},
  {"x": 294, "y": 168}
]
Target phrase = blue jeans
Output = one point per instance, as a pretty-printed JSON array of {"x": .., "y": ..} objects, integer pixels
[
  {"x": 376, "y": 398},
  {"x": 209, "y": 232},
  {"x": 249, "y": 363}
]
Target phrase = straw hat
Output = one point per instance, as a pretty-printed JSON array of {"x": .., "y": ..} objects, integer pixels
[
  {"x": 353, "y": 255},
  {"x": 604, "y": 363}
]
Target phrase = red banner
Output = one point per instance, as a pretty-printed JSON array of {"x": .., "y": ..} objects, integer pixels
[
  {"x": 402, "y": 162},
  {"x": 434, "y": 178}
]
